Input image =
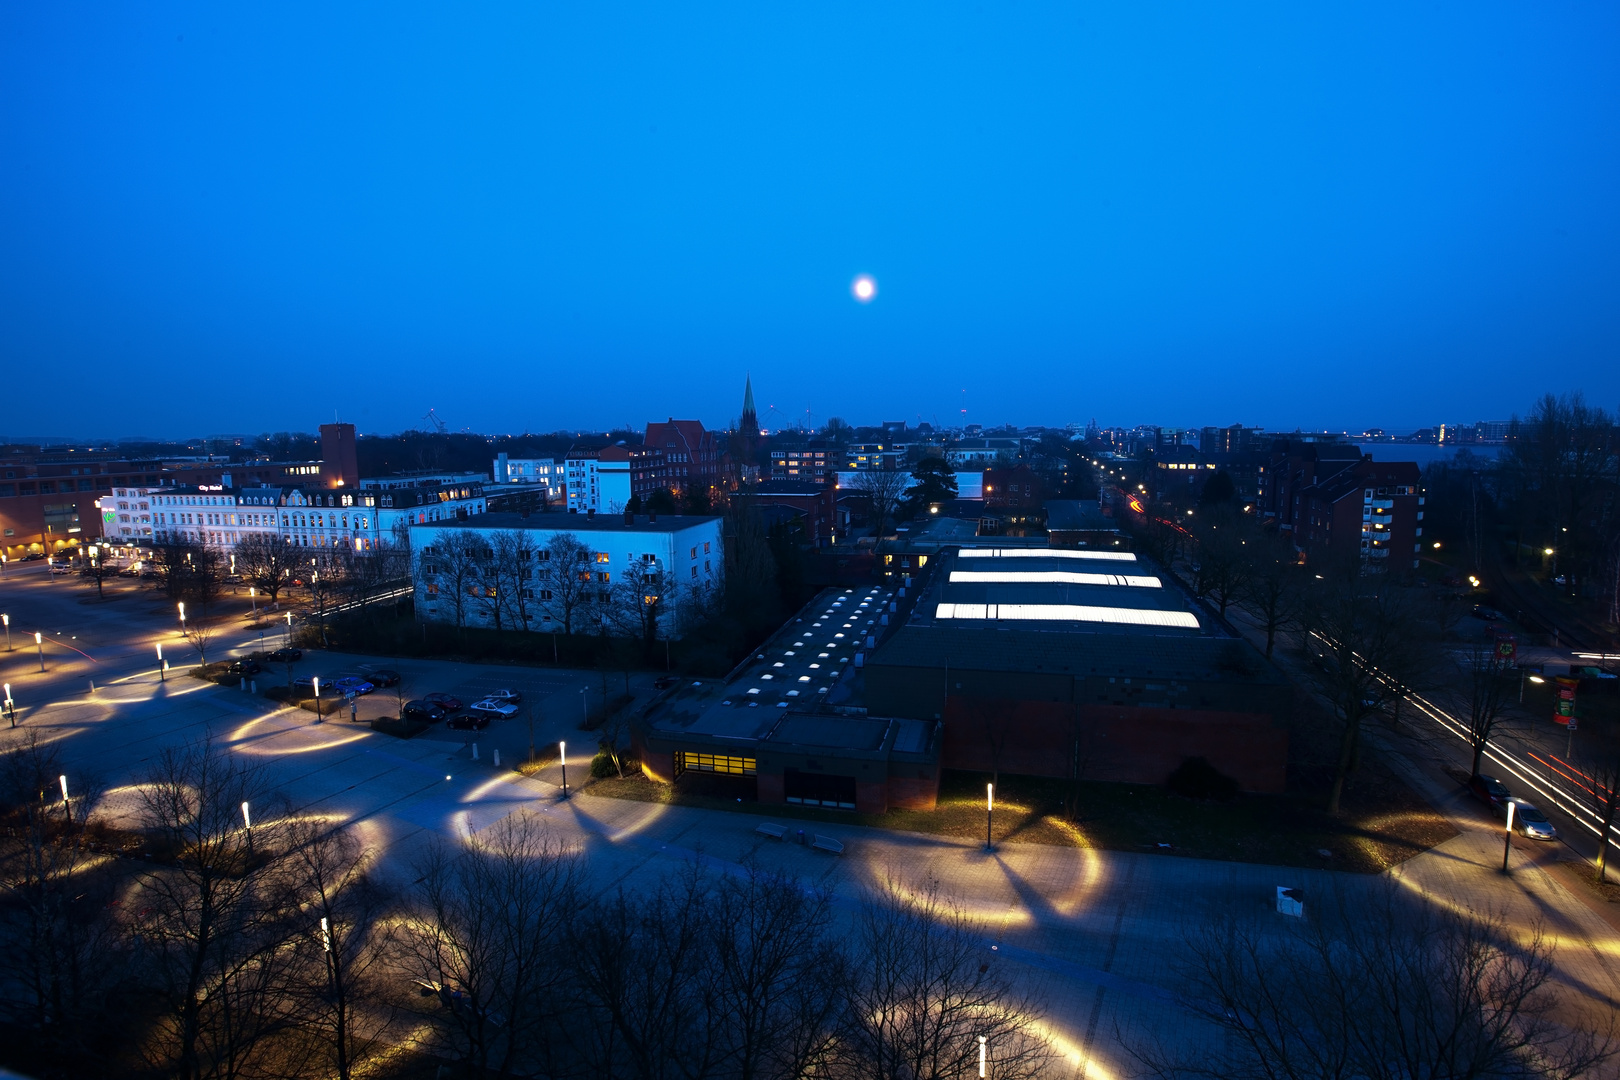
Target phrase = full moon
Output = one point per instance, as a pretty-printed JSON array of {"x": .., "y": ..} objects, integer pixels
[{"x": 864, "y": 288}]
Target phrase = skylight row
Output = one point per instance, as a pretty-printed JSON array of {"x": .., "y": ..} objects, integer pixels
[
  {"x": 1066, "y": 613},
  {"x": 1044, "y": 553},
  {"x": 1055, "y": 577}
]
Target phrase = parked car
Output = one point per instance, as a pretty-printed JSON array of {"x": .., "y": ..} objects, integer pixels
[
  {"x": 1488, "y": 790},
  {"x": 664, "y": 682},
  {"x": 33, "y": 556},
  {"x": 1487, "y": 613},
  {"x": 245, "y": 667},
  {"x": 61, "y": 568},
  {"x": 426, "y": 711},
  {"x": 468, "y": 722},
  {"x": 352, "y": 684},
  {"x": 498, "y": 709},
  {"x": 511, "y": 697},
  {"x": 446, "y": 701},
  {"x": 380, "y": 676},
  {"x": 129, "y": 571},
  {"x": 1528, "y": 820},
  {"x": 282, "y": 656}
]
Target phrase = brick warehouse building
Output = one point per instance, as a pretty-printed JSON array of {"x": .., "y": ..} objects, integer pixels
[
  {"x": 1063, "y": 663},
  {"x": 1332, "y": 497},
  {"x": 1023, "y": 660}
]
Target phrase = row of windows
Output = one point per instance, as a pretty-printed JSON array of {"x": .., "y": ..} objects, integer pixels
[{"x": 686, "y": 760}]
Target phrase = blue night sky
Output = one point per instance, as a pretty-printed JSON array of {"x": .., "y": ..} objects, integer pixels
[{"x": 233, "y": 218}]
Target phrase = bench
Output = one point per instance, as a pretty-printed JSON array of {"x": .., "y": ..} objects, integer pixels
[
  {"x": 827, "y": 843},
  {"x": 775, "y": 832}
]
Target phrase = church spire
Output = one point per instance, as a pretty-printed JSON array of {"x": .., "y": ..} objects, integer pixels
[{"x": 750, "y": 420}]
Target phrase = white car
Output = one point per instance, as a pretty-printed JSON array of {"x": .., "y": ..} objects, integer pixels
[{"x": 498, "y": 709}]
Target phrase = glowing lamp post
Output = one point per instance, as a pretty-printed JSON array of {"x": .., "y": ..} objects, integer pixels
[
  {"x": 162, "y": 667},
  {"x": 1507, "y": 838},
  {"x": 39, "y": 643},
  {"x": 317, "y": 685},
  {"x": 562, "y": 755},
  {"x": 981, "y": 1057},
  {"x": 67, "y": 807},
  {"x": 10, "y": 706},
  {"x": 247, "y": 825},
  {"x": 253, "y": 600},
  {"x": 989, "y": 814},
  {"x": 182, "y": 616},
  {"x": 7, "y": 620}
]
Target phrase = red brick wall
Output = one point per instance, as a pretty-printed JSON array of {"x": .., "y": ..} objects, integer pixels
[
  {"x": 1134, "y": 744},
  {"x": 914, "y": 793},
  {"x": 871, "y": 796},
  {"x": 655, "y": 766}
]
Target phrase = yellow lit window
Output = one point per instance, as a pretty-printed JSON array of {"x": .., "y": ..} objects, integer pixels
[{"x": 685, "y": 761}]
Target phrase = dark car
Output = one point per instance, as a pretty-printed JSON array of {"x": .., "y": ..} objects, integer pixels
[
  {"x": 469, "y": 722},
  {"x": 246, "y": 667},
  {"x": 282, "y": 656},
  {"x": 380, "y": 676},
  {"x": 1488, "y": 790},
  {"x": 426, "y": 711},
  {"x": 353, "y": 685},
  {"x": 33, "y": 556},
  {"x": 444, "y": 701},
  {"x": 665, "y": 682},
  {"x": 1487, "y": 613}
]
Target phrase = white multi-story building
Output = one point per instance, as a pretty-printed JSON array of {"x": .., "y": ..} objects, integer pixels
[
  {"x": 126, "y": 515},
  {"x": 682, "y": 557},
  {"x": 598, "y": 481},
  {"x": 549, "y": 472},
  {"x": 327, "y": 518}
]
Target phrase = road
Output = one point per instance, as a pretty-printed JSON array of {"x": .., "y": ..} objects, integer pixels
[{"x": 1096, "y": 932}]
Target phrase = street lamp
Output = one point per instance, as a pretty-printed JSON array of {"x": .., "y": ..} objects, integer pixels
[
  {"x": 981, "y": 1057},
  {"x": 1507, "y": 836},
  {"x": 10, "y": 706},
  {"x": 247, "y": 826},
  {"x": 289, "y": 629},
  {"x": 162, "y": 667},
  {"x": 39, "y": 643},
  {"x": 182, "y": 616},
  {"x": 317, "y": 685},
  {"x": 989, "y": 813},
  {"x": 252, "y": 594},
  {"x": 67, "y": 807},
  {"x": 7, "y": 620},
  {"x": 562, "y": 755}
]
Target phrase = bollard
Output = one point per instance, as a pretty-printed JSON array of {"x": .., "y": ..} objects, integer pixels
[
  {"x": 92, "y": 686},
  {"x": 253, "y": 687},
  {"x": 475, "y": 751},
  {"x": 497, "y": 759}
]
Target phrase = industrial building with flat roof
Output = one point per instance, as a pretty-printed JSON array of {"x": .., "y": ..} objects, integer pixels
[
  {"x": 789, "y": 720},
  {"x": 1078, "y": 664}
]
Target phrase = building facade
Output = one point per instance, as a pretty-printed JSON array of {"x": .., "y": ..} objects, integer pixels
[{"x": 682, "y": 558}]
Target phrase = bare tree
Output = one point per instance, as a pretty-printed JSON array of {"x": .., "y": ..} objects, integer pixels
[
  {"x": 199, "y": 633},
  {"x": 448, "y": 570},
  {"x": 565, "y": 568},
  {"x": 1380, "y": 986},
  {"x": 487, "y": 946},
  {"x": 921, "y": 995},
  {"x": 97, "y": 569},
  {"x": 215, "y": 917},
  {"x": 267, "y": 562},
  {"x": 1482, "y": 696},
  {"x": 344, "y": 946},
  {"x": 517, "y": 554},
  {"x": 1274, "y": 582},
  {"x": 1598, "y": 760},
  {"x": 885, "y": 487},
  {"x": 1364, "y": 637},
  {"x": 1223, "y": 563},
  {"x": 61, "y": 950}
]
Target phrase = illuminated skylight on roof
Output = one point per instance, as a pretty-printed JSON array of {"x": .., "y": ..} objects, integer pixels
[
  {"x": 1066, "y": 613},
  {"x": 1055, "y": 577},
  {"x": 1044, "y": 553}
]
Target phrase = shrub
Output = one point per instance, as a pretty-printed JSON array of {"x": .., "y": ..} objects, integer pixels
[
  {"x": 602, "y": 766},
  {"x": 1196, "y": 778}
]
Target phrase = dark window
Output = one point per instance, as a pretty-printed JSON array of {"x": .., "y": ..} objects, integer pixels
[
  {"x": 8, "y": 489},
  {"x": 47, "y": 487},
  {"x": 819, "y": 789}
]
